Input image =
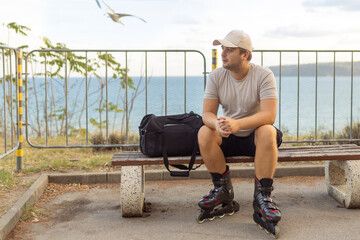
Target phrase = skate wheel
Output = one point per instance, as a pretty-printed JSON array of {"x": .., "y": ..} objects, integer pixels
[
  {"x": 221, "y": 216},
  {"x": 232, "y": 213},
  {"x": 277, "y": 232},
  {"x": 199, "y": 219},
  {"x": 212, "y": 218}
]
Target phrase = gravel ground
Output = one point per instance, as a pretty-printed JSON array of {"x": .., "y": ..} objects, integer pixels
[{"x": 87, "y": 212}]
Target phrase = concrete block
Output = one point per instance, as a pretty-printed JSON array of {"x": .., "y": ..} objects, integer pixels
[
  {"x": 306, "y": 170},
  {"x": 82, "y": 178},
  {"x": 242, "y": 172},
  {"x": 154, "y": 175},
  {"x": 343, "y": 182},
  {"x": 113, "y": 177},
  {"x": 194, "y": 174},
  {"x": 132, "y": 191},
  {"x": 200, "y": 174}
]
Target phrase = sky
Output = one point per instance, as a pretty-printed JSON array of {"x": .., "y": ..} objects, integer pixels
[{"x": 185, "y": 24}]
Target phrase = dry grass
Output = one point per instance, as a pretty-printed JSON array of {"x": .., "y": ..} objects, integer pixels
[{"x": 37, "y": 160}]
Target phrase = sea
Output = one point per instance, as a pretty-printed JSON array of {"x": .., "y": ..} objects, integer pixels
[{"x": 305, "y": 103}]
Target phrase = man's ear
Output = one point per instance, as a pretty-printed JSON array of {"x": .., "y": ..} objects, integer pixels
[{"x": 246, "y": 55}]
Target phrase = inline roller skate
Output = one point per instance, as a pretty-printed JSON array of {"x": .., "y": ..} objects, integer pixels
[
  {"x": 266, "y": 213},
  {"x": 220, "y": 201}
]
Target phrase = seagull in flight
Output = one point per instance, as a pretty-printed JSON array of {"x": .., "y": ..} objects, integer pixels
[{"x": 116, "y": 16}]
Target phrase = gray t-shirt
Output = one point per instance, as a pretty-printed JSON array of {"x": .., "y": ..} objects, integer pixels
[{"x": 241, "y": 98}]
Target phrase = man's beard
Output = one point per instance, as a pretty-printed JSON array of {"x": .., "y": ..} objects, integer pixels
[{"x": 231, "y": 67}]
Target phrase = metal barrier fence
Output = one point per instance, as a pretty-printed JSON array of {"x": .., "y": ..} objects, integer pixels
[
  {"x": 106, "y": 63},
  {"x": 341, "y": 61},
  {"x": 305, "y": 78},
  {"x": 9, "y": 129}
]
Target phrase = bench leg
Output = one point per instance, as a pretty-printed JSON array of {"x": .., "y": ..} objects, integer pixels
[
  {"x": 132, "y": 191},
  {"x": 343, "y": 182}
]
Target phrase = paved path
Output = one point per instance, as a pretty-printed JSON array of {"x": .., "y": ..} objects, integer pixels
[{"x": 308, "y": 213}]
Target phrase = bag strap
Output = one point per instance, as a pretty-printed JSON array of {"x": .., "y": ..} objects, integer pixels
[
  {"x": 180, "y": 166},
  {"x": 181, "y": 116}
]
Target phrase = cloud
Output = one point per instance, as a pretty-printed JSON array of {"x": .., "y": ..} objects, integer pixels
[
  {"x": 347, "y": 5},
  {"x": 296, "y": 31},
  {"x": 185, "y": 19}
]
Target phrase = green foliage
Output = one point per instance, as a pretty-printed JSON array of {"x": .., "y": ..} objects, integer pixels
[
  {"x": 23, "y": 46},
  {"x": 108, "y": 60},
  {"x": 59, "y": 114},
  {"x": 19, "y": 29},
  {"x": 99, "y": 125},
  {"x": 75, "y": 132},
  {"x": 7, "y": 179},
  {"x": 28, "y": 213},
  {"x": 57, "y": 59},
  {"x": 33, "y": 213},
  {"x": 57, "y": 56},
  {"x": 111, "y": 108}
]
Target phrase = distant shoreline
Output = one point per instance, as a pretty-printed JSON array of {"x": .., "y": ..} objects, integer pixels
[{"x": 324, "y": 69}]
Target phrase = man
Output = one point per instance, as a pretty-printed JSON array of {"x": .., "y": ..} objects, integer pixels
[{"x": 248, "y": 96}]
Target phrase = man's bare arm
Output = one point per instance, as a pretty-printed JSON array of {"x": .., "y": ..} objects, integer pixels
[
  {"x": 266, "y": 115},
  {"x": 209, "y": 116}
]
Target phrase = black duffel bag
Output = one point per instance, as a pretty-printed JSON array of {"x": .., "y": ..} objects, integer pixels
[{"x": 172, "y": 135}]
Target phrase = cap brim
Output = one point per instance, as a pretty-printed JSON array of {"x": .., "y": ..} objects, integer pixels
[{"x": 223, "y": 42}]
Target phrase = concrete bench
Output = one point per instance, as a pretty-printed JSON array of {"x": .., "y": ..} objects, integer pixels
[{"x": 342, "y": 172}]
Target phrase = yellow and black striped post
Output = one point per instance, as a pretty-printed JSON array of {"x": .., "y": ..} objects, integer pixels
[
  {"x": 214, "y": 59},
  {"x": 20, "y": 151}
]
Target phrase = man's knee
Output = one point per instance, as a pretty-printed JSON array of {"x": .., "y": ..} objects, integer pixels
[
  {"x": 265, "y": 134},
  {"x": 206, "y": 136}
]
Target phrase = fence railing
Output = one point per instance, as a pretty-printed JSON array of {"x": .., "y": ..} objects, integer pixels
[
  {"x": 316, "y": 92},
  {"x": 110, "y": 71},
  {"x": 9, "y": 130},
  {"x": 332, "y": 77}
]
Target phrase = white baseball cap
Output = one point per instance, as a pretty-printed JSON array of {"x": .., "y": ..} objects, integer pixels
[{"x": 235, "y": 38}]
